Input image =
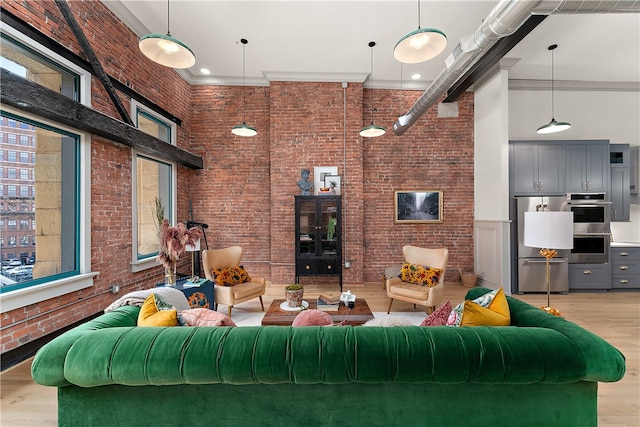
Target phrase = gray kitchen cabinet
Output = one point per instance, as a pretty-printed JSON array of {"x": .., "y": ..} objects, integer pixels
[
  {"x": 625, "y": 267},
  {"x": 536, "y": 168},
  {"x": 587, "y": 166},
  {"x": 589, "y": 276},
  {"x": 620, "y": 193}
]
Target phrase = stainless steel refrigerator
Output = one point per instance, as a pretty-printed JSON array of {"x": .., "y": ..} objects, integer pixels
[{"x": 531, "y": 266}]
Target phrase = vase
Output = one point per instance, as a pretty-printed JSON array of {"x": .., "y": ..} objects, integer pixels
[
  {"x": 170, "y": 276},
  {"x": 294, "y": 298}
]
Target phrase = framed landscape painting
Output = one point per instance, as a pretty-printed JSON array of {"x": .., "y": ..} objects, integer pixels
[{"x": 418, "y": 206}]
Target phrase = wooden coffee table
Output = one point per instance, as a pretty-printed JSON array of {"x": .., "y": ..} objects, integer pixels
[{"x": 357, "y": 315}]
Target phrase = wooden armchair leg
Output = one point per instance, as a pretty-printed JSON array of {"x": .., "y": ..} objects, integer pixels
[
  {"x": 390, "y": 302},
  {"x": 261, "y": 303},
  {"x": 230, "y": 307}
]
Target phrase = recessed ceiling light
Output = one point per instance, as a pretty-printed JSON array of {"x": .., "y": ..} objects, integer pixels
[
  {"x": 416, "y": 76},
  {"x": 205, "y": 71}
]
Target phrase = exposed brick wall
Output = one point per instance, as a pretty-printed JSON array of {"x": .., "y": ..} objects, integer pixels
[
  {"x": 111, "y": 214},
  {"x": 245, "y": 192},
  {"x": 434, "y": 154},
  {"x": 231, "y": 194}
]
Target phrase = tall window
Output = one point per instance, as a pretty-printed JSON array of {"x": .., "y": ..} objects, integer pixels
[
  {"x": 58, "y": 188},
  {"x": 154, "y": 183},
  {"x": 56, "y": 199}
]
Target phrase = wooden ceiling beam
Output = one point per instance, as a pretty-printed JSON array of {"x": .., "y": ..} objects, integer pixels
[{"x": 33, "y": 98}]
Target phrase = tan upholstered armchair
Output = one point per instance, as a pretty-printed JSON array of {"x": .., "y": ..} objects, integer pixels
[
  {"x": 231, "y": 295},
  {"x": 418, "y": 294}
]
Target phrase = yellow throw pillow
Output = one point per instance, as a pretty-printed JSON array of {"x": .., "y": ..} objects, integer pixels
[
  {"x": 490, "y": 309},
  {"x": 156, "y": 312},
  {"x": 496, "y": 314},
  {"x": 420, "y": 275}
]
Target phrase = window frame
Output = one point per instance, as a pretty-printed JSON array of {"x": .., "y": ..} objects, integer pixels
[
  {"x": 144, "y": 263},
  {"x": 39, "y": 292}
]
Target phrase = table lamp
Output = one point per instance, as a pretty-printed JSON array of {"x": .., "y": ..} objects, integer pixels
[
  {"x": 548, "y": 231},
  {"x": 192, "y": 249}
]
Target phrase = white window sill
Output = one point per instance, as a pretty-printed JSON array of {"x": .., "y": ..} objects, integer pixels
[
  {"x": 144, "y": 264},
  {"x": 37, "y": 293}
]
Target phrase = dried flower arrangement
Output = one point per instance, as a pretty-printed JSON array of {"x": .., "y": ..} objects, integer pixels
[{"x": 174, "y": 240}]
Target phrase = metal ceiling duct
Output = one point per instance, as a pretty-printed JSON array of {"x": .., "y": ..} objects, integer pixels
[{"x": 504, "y": 20}]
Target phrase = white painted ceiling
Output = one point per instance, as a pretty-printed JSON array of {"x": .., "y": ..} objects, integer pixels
[{"x": 308, "y": 40}]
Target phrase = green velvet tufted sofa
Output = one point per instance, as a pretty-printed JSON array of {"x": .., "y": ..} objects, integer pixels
[{"x": 541, "y": 370}]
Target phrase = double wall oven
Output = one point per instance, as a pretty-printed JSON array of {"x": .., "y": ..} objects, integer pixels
[{"x": 591, "y": 227}]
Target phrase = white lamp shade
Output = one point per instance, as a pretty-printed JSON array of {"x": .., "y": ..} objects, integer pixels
[
  {"x": 372, "y": 131},
  {"x": 553, "y": 126},
  {"x": 420, "y": 45},
  {"x": 244, "y": 130},
  {"x": 167, "y": 51},
  {"x": 548, "y": 230},
  {"x": 195, "y": 248}
]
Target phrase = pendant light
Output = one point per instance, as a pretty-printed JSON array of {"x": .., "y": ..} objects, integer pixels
[
  {"x": 372, "y": 130},
  {"x": 167, "y": 50},
  {"x": 420, "y": 45},
  {"x": 553, "y": 126},
  {"x": 244, "y": 129}
]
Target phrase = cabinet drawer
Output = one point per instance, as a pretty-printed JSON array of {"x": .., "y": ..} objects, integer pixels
[
  {"x": 623, "y": 254},
  {"x": 625, "y": 268},
  {"x": 625, "y": 282},
  {"x": 589, "y": 276},
  {"x": 318, "y": 266}
]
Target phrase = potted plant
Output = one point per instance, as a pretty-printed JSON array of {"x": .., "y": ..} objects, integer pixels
[{"x": 293, "y": 294}]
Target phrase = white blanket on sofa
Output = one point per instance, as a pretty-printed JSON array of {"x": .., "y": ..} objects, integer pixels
[{"x": 173, "y": 296}]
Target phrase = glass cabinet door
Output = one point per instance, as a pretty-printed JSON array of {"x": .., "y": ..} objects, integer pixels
[
  {"x": 307, "y": 227},
  {"x": 329, "y": 228}
]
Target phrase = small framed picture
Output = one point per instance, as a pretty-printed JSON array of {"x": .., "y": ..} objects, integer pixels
[
  {"x": 332, "y": 182},
  {"x": 418, "y": 206},
  {"x": 319, "y": 174}
]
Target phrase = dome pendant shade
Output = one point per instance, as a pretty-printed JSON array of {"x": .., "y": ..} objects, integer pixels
[
  {"x": 372, "y": 131},
  {"x": 167, "y": 51},
  {"x": 244, "y": 130},
  {"x": 420, "y": 45},
  {"x": 553, "y": 126}
]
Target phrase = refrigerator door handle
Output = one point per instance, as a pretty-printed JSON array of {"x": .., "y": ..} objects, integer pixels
[{"x": 543, "y": 261}]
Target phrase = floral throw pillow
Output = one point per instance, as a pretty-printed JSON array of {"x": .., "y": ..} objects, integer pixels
[
  {"x": 420, "y": 275},
  {"x": 439, "y": 316},
  {"x": 230, "y": 276}
]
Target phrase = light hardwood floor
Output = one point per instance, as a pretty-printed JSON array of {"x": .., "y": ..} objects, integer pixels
[{"x": 613, "y": 316}]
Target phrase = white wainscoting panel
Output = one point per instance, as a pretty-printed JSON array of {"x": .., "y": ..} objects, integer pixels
[{"x": 492, "y": 253}]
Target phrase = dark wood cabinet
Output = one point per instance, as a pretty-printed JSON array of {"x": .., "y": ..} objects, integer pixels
[{"x": 318, "y": 236}]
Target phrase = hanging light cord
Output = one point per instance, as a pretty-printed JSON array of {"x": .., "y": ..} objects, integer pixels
[
  {"x": 244, "y": 80},
  {"x": 371, "y": 45},
  {"x": 168, "y": 32},
  {"x": 418, "y": 14},
  {"x": 553, "y": 112}
]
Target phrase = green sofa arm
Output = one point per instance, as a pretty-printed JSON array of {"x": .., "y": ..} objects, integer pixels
[
  {"x": 603, "y": 362},
  {"x": 48, "y": 365}
]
